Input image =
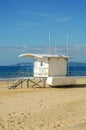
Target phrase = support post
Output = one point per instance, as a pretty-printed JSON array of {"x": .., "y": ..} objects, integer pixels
[
  {"x": 21, "y": 83},
  {"x": 44, "y": 84},
  {"x": 27, "y": 83}
]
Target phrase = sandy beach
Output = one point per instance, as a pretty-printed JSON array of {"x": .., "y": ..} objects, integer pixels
[{"x": 42, "y": 108}]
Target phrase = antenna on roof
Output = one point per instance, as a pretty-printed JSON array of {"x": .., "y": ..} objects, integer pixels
[
  {"x": 49, "y": 43},
  {"x": 67, "y": 44},
  {"x": 67, "y": 53},
  {"x": 54, "y": 49}
]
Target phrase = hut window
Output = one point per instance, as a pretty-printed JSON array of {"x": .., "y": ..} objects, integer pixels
[{"x": 41, "y": 64}]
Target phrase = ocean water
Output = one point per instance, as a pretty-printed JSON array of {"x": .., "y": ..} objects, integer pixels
[
  {"x": 74, "y": 69},
  {"x": 16, "y": 71}
]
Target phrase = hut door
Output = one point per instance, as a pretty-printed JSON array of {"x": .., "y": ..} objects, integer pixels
[
  {"x": 41, "y": 71},
  {"x": 41, "y": 68}
]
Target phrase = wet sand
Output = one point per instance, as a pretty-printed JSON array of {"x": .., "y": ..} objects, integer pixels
[{"x": 42, "y": 108}]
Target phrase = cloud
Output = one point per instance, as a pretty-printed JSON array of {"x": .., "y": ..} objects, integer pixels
[
  {"x": 73, "y": 50},
  {"x": 39, "y": 14},
  {"x": 21, "y": 48},
  {"x": 76, "y": 52},
  {"x": 23, "y": 26},
  {"x": 63, "y": 19},
  {"x": 34, "y": 13}
]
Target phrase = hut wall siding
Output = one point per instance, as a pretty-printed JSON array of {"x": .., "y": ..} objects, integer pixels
[
  {"x": 58, "y": 67},
  {"x": 44, "y": 67}
]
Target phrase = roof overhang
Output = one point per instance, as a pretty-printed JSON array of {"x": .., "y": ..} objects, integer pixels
[{"x": 30, "y": 55}]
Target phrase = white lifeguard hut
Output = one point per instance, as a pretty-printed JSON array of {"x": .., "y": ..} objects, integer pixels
[
  {"x": 48, "y": 65},
  {"x": 50, "y": 70}
]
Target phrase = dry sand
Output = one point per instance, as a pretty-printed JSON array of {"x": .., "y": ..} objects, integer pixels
[{"x": 42, "y": 108}]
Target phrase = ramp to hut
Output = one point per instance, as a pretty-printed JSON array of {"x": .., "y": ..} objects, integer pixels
[{"x": 16, "y": 83}]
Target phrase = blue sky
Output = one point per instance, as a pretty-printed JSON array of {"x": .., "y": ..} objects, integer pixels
[{"x": 25, "y": 27}]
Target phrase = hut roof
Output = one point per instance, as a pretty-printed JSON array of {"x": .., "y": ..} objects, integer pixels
[{"x": 30, "y": 55}]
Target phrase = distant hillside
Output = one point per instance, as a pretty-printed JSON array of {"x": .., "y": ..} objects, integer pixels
[
  {"x": 23, "y": 64},
  {"x": 31, "y": 64},
  {"x": 77, "y": 63}
]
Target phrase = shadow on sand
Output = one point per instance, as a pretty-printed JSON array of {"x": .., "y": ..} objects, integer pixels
[{"x": 70, "y": 86}]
